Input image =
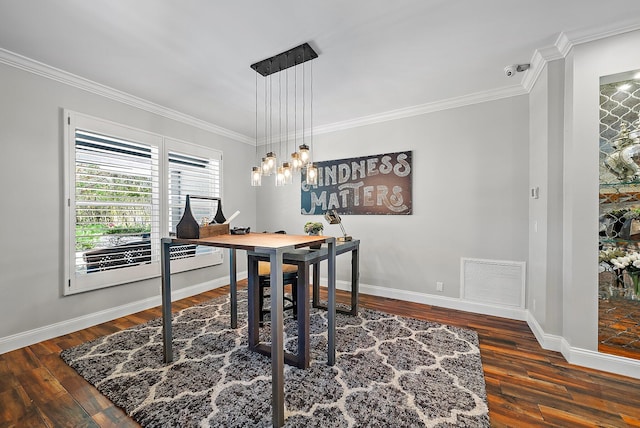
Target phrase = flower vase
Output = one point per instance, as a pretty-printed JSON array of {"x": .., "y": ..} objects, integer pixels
[
  {"x": 635, "y": 278},
  {"x": 188, "y": 226},
  {"x": 315, "y": 246},
  {"x": 618, "y": 275}
]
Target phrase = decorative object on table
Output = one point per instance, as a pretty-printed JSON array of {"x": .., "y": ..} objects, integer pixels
[
  {"x": 188, "y": 227},
  {"x": 372, "y": 185},
  {"x": 240, "y": 230},
  {"x": 214, "y": 230},
  {"x": 620, "y": 262},
  {"x": 219, "y": 217},
  {"x": 332, "y": 217},
  {"x": 219, "y": 382},
  {"x": 300, "y": 114},
  {"x": 314, "y": 228}
]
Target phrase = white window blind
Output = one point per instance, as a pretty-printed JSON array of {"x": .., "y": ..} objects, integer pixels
[
  {"x": 126, "y": 190},
  {"x": 191, "y": 174}
]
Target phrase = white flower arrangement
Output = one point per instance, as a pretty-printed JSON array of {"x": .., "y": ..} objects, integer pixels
[
  {"x": 631, "y": 261},
  {"x": 619, "y": 262}
]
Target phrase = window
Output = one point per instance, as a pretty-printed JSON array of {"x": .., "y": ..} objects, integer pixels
[
  {"x": 127, "y": 189},
  {"x": 190, "y": 172}
]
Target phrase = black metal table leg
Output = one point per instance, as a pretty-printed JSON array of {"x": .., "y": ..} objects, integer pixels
[{"x": 165, "y": 261}]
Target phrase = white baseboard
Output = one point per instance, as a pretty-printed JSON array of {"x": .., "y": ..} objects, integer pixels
[
  {"x": 578, "y": 356},
  {"x": 430, "y": 299},
  {"x": 547, "y": 341},
  {"x": 20, "y": 340},
  {"x": 599, "y": 361},
  {"x": 584, "y": 357}
]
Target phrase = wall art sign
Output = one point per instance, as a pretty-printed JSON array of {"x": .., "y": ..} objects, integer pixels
[{"x": 378, "y": 184}]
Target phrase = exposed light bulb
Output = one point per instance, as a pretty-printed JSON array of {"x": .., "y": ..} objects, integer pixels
[
  {"x": 312, "y": 174},
  {"x": 296, "y": 162},
  {"x": 286, "y": 168},
  {"x": 271, "y": 160},
  {"x": 269, "y": 164},
  {"x": 280, "y": 176},
  {"x": 256, "y": 176},
  {"x": 266, "y": 171},
  {"x": 304, "y": 154}
]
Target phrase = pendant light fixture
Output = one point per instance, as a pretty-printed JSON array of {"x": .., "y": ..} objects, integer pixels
[
  {"x": 296, "y": 162},
  {"x": 312, "y": 170},
  {"x": 303, "y": 150},
  {"x": 256, "y": 176},
  {"x": 286, "y": 166},
  {"x": 270, "y": 159},
  {"x": 256, "y": 171},
  {"x": 284, "y": 172},
  {"x": 279, "y": 169}
]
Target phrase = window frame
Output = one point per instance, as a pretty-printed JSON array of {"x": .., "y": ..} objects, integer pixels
[{"x": 75, "y": 283}]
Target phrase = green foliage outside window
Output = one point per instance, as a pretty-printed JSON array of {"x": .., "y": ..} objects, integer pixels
[{"x": 112, "y": 205}]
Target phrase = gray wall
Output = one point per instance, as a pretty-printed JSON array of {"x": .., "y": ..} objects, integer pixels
[
  {"x": 470, "y": 195},
  {"x": 31, "y": 257}
]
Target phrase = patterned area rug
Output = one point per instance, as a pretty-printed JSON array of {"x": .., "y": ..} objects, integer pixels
[{"x": 390, "y": 372}]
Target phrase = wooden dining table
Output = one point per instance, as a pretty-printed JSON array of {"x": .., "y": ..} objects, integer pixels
[{"x": 273, "y": 245}]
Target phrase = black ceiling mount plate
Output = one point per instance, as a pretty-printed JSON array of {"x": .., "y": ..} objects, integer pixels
[{"x": 284, "y": 60}]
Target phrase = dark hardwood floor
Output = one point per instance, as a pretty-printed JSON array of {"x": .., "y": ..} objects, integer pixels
[{"x": 526, "y": 385}]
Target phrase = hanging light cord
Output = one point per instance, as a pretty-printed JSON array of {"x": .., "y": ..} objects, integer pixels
[
  {"x": 270, "y": 114},
  {"x": 304, "y": 98},
  {"x": 286, "y": 116},
  {"x": 311, "y": 112},
  {"x": 295, "y": 109},
  {"x": 266, "y": 140},
  {"x": 280, "y": 113},
  {"x": 256, "y": 155}
]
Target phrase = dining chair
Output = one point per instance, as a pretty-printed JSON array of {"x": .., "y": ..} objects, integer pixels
[{"x": 289, "y": 277}]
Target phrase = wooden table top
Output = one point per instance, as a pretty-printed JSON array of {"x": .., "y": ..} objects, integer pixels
[
  {"x": 312, "y": 255},
  {"x": 251, "y": 241}
]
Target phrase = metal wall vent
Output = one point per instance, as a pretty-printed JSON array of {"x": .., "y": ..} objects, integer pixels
[{"x": 495, "y": 282}]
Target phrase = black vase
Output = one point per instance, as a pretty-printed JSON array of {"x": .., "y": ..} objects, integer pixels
[
  {"x": 188, "y": 227},
  {"x": 219, "y": 217}
]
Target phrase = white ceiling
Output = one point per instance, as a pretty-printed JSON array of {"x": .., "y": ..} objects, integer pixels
[{"x": 375, "y": 56}]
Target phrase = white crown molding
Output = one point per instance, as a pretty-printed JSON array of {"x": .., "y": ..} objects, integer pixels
[
  {"x": 23, "y": 63},
  {"x": 538, "y": 61},
  {"x": 478, "y": 97},
  {"x": 576, "y": 37},
  {"x": 559, "y": 50},
  {"x": 565, "y": 42}
]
